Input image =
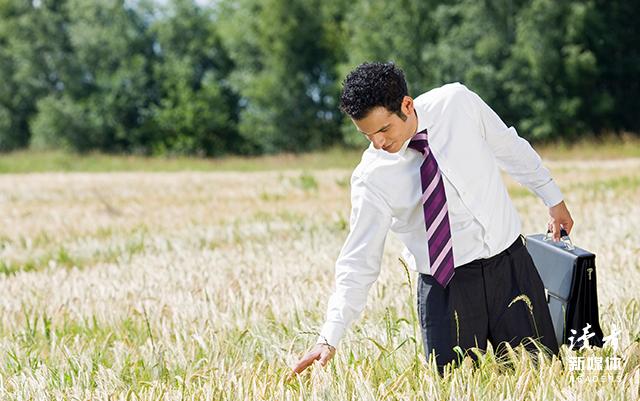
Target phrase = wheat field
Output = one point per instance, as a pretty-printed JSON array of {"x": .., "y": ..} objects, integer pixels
[{"x": 210, "y": 285}]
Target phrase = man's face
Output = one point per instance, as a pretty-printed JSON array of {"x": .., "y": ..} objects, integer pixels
[{"x": 387, "y": 130}]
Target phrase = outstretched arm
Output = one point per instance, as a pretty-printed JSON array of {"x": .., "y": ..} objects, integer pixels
[{"x": 356, "y": 269}]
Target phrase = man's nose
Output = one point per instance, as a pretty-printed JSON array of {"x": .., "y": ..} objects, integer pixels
[{"x": 378, "y": 141}]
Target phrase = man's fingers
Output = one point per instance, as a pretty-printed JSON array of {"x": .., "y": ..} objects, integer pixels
[
  {"x": 302, "y": 365},
  {"x": 568, "y": 226},
  {"x": 554, "y": 229},
  {"x": 560, "y": 218},
  {"x": 305, "y": 362},
  {"x": 321, "y": 354},
  {"x": 324, "y": 358},
  {"x": 327, "y": 354}
]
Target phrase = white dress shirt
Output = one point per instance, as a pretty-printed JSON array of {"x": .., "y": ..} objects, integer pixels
[{"x": 470, "y": 143}]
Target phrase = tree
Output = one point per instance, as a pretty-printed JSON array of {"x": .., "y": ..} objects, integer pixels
[
  {"x": 606, "y": 42},
  {"x": 112, "y": 88},
  {"x": 35, "y": 61},
  {"x": 197, "y": 112},
  {"x": 284, "y": 73}
]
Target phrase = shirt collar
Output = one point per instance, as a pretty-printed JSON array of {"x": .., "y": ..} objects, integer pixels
[{"x": 404, "y": 146}]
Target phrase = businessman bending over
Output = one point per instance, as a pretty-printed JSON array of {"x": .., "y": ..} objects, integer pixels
[{"x": 432, "y": 176}]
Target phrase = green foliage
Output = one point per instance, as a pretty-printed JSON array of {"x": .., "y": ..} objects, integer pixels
[
  {"x": 113, "y": 47},
  {"x": 197, "y": 111},
  {"x": 284, "y": 72},
  {"x": 307, "y": 181},
  {"x": 264, "y": 76},
  {"x": 33, "y": 62},
  {"x": 64, "y": 123}
]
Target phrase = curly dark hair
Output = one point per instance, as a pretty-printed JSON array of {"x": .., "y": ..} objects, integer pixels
[{"x": 370, "y": 85}]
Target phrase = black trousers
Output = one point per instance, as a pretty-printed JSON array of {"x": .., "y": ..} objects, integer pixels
[{"x": 499, "y": 299}]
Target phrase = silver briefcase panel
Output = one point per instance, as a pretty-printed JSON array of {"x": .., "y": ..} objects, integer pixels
[{"x": 556, "y": 263}]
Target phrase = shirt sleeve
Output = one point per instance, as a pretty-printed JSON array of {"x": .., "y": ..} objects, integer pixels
[
  {"x": 358, "y": 264},
  {"x": 514, "y": 154}
]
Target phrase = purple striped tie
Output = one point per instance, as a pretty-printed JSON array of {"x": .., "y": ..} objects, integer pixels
[{"x": 436, "y": 215}]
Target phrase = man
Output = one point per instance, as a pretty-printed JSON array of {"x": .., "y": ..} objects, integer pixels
[{"x": 431, "y": 175}]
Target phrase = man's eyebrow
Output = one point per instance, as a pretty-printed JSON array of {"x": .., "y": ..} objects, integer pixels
[{"x": 381, "y": 129}]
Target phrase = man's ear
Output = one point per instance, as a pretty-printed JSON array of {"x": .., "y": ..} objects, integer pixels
[{"x": 407, "y": 105}]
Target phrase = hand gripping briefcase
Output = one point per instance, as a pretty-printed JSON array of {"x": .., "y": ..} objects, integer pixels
[{"x": 569, "y": 277}]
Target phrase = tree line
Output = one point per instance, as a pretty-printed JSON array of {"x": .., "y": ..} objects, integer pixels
[{"x": 264, "y": 76}]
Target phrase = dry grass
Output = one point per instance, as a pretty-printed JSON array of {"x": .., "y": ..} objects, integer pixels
[{"x": 208, "y": 285}]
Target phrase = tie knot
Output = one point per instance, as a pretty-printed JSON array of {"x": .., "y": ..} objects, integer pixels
[{"x": 419, "y": 141}]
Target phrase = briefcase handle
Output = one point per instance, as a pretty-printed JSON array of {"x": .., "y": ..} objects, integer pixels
[{"x": 564, "y": 238}]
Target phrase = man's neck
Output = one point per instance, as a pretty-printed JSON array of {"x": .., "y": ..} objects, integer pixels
[{"x": 415, "y": 128}]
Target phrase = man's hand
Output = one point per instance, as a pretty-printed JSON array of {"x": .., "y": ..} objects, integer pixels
[
  {"x": 559, "y": 217},
  {"x": 320, "y": 351}
]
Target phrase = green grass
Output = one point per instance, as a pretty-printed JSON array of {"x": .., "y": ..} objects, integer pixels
[
  {"x": 609, "y": 147},
  {"x": 63, "y": 257},
  {"x": 51, "y": 161}
]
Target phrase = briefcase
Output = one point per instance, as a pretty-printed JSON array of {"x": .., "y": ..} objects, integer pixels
[{"x": 569, "y": 277}]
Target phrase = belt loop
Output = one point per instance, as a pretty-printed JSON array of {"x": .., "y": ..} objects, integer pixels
[{"x": 515, "y": 244}]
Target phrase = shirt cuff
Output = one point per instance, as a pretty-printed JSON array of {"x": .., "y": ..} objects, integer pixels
[
  {"x": 332, "y": 332},
  {"x": 549, "y": 193}
]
